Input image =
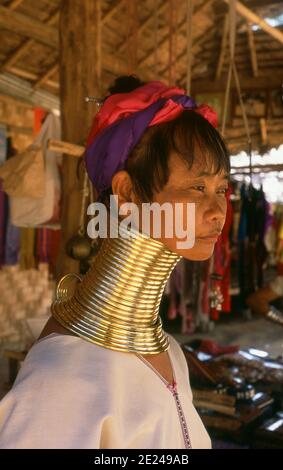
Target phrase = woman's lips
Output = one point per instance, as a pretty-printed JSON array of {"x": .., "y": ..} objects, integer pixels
[{"x": 209, "y": 239}]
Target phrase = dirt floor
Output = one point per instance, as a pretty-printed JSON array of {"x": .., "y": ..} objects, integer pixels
[{"x": 257, "y": 333}]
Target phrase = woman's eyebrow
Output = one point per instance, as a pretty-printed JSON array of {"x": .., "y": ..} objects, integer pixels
[{"x": 206, "y": 173}]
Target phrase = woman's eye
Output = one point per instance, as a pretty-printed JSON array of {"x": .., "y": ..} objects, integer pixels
[
  {"x": 223, "y": 191},
  {"x": 199, "y": 188}
]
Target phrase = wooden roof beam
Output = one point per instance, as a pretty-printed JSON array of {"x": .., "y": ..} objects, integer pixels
[
  {"x": 180, "y": 25},
  {"x": 14, "y": 4},
  {"x": 247, "y": 83},
  {"x": 252, "y": 49},
  {"x": 223, "y": 48},
  {"x": 51, "y": 20},
  {"x": 112, "y": 11},
  {"x": 38, "y": 30},
  {"x": 29, "y": 27},
  {"x": 30, "y": 76},
  {"x": 47, "y": 34},
  {"x": 22, "y": 49},
  {"x": 55, "y": 67},
  {"x": 255, "y": 19},
  {"x": 160, "y": 10},
  {"x": 26, "y": 44},
  {"x": 45, "y": 77},
  {"x": 261, "y": 3},
  {"x": 198, "y": 41}
]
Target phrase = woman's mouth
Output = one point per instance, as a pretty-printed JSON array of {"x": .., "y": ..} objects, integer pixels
[{"x": 212, "y": 238}]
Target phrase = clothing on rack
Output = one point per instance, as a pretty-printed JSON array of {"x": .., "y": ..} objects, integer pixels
[
  {"x": 47, "y": 247},
  {"x": 222, "y": 263},
  {"x": 12, "y": 244},
  {"x": 188, "y": 294},
  {"x": 252, "y": 253},
  {"x": 3, "y": 211},
  {"x": 27, "y": 245}
]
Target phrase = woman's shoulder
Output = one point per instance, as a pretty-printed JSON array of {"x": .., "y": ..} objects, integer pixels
[
  {"x": 65, "y": 356},
  {"x": 65, "y": 359},
  {"x": 61, "y": 385},
  {"x": 59, "y": 367},
  {"x": 61, "y": 376}
]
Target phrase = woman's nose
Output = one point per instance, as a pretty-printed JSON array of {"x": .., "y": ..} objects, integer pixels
[{"x": 216, "y": 209}]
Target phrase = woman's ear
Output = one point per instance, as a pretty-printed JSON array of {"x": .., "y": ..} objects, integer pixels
[{"x": 122, "y": 187}]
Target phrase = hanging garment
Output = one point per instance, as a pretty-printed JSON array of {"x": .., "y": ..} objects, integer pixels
[
  {"x": 3, "y": 198},
  {"x": 204, "y": 292},
  {"x": 9, "y": 234},
  {"x": 47, "y": 247},
  {"x": 12, "y": 244},
  {"x": 252, "y": 251},
  {"x": 222, "y": 262},
  {"x": 3, "y": 217},
  {"x": 261, "y": 224},
  {"x": 279, "y": 249},
  {"x": 92, "y": 397},
  {"x": 189, "y": 294}
]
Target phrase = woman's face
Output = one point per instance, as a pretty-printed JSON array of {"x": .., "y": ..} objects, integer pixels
[
  {"x": 197, "y": 185},
  {"x": 207, "y": 191}
]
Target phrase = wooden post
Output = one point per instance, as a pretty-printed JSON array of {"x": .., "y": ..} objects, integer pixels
[{"x": 79, "y": 77}]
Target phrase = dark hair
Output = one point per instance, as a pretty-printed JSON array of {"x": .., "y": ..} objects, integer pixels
[
  {"x": 147, "y": 164},
  {"x": 125, "y": 84}
]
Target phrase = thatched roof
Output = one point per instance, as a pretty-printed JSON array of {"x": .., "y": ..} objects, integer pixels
[{"x": 29, "y": 48}]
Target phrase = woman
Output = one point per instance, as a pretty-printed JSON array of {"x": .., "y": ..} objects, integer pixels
[{"x": 104, "y": 373}]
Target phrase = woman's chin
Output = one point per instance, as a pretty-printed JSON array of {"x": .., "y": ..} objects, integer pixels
[
  {"x": 198, "y": 256},
  {"x": 201, "y": 251},
  {"x": 198, "y": 253}
]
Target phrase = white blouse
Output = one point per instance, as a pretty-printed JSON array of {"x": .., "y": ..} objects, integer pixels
[{"x": 73, "y": 394}]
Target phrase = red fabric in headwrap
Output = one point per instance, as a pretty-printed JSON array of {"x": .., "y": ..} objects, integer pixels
[{"x": 122, "y": 105}]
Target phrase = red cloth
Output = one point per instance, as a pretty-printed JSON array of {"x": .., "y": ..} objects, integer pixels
[
  {"x": 38, "y": 115},
  {"x": 215, "y": 349},
  {"x": 47, "y": 247},
  {"x": 122, "y": 105}
]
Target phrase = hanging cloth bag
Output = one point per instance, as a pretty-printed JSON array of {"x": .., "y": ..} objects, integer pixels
[
  {"x": 43, "y": 211},
  {"x": 23, "y": 174}
]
